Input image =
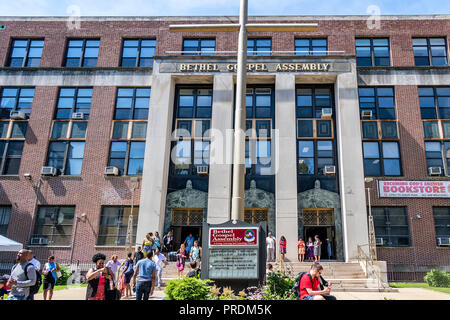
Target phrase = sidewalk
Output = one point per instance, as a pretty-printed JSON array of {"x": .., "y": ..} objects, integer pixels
[{"x": 402, "y": 294}]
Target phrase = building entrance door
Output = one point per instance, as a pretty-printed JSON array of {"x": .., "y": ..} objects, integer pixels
[
  {"x": 184, "y": 222},
  {"x": 320, "y": 222}
]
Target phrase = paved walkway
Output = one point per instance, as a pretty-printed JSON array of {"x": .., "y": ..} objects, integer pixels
[{"x": 402, "y": 294}]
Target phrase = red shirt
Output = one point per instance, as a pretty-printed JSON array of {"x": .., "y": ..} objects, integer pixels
[{"x": 305, "y": 282}]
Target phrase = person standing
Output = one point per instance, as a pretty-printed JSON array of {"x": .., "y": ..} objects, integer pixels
[
  {"x": 189, "y": 243},
  {"x": 181, "y": 260},
  {"x": 99, "y": 279},
  {"x": 167, "y": 245},
  {"x": 114, "y": 265},
  {"x": 301, "y": 250},
  {"x": 147, "y": 244},
  {"x": 144, "y": 275},
  {"x": 128, "y": 274},
  {"x": 283, "y": 245},
  {"x": 329, "y": 250},
  {"x": 310, "y": 249},
  {"x": 138, "y": 255},
  {"x": 160, "y": 260},
  {"x": 196, "y": 253},
  {"x": 157, "y": 244},
  {"x": 23, "y": 276},
  {"x": 270, "y": 247},
  {"x": 317, "y": 248},
  {"x": 50, "y": 277}
]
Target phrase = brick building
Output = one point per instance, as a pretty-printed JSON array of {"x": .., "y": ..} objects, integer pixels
[{"x": 325, "y": 110}]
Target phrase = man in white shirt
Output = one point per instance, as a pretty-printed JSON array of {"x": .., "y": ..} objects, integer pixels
[
  {"x": 159, "y": 259},
  {"x": 34, "y": 261},
  {"x": 270, "y": 246},
  {"x": 114, "y": 265}
]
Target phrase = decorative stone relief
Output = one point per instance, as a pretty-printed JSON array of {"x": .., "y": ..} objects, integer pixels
[
  {"x": 257, "y": 198},
  {"x": 321, "y": 198}
]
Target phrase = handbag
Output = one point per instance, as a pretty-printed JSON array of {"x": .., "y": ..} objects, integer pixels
[{"x": 58, "y": 274}]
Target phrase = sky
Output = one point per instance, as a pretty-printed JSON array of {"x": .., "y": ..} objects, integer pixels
[{"x": 218, "y": 7}]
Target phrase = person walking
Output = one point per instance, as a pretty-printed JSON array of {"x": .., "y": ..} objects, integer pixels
[
  {"x": 100, "y": 279},
  {"x": 167, "y": 245},
  {"x": 114, "y": 265},
  {"x": 50, "y": 272},
  {"x": 144, "y": 277},
  {"x": 189, "y": 243},
  {"x": 128, "y": 273},
  {"x": 160, "y": 261},
  {"x": 270, "y": 247},
  {"x": 317, "y": 248},
  {"x": 301, "y": 250},
  {"x": 310, "y": 249},
  {"x": 196, "y": 253},
  {"x": 181, "y": 259},
  {"x": 37, "y": 266},
  {"x": 283, "y": 244},
  {"x": 147, "y": 244},
  {"x": 138, "y": 255},
  {"x": 23, "y": 276}
]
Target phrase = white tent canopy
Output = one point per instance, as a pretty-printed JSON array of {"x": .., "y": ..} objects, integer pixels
[{"x": 9, "y": 245}]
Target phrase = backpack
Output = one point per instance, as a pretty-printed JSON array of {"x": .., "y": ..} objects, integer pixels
[
  {"x": 37, "y": 285},
  {"x": 296, "y": 286}
]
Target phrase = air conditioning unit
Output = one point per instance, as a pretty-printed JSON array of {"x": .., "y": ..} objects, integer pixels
[
  {"x": 379, "y": 241},
  {"x": 443, "y": 241},
  {"x": 111, "y": 171},
  {"x": 78, "y": 116},
  {"x": 48, "y": 171},
  {"x": 202, "y": 170},
  {"x": 326, "y": 113},
  {"x": 329, "y": 170},
  {"x": 434, "y": 171},
  {"x": 366, "y": 114},
  {"x": 38, "y": 241},
  {"x": 17, "y": 115}
]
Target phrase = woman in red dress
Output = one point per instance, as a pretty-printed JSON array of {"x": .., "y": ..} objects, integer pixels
[
  {"x": 301, "y": 250},
  {"x": 282, "y": 248},
  {"x": 99, "y": 279}
]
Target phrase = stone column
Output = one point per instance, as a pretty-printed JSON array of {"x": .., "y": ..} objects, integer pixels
[
  {"x": 350, "y": 161},
  {"x": 157, "y": 157},
  {"x": 219, "y": 191},
  {"x": 285, "y": 160}
]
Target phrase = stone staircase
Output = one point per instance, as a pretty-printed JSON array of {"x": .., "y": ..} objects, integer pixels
[{"x": 343, "y": 276}]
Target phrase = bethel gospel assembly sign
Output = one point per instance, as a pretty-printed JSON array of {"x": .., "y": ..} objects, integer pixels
[{"x": 414, "y": 189}]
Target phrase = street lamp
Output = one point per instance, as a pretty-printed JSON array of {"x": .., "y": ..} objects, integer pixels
[
  {"x": 83, "y": 218},
  {"x": 416, "y": 217},
  {"x": 372, "y": 240}
]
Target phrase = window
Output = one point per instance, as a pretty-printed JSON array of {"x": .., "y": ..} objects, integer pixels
[
  {"x": 430, "y": 51},
  {"x": 82, "y": 53},
  {"x": 26, "y": 53},
  {"x": 254, "y": 216},
  {"x": 53, "y": 226},
  {"x": 378, "y": 129},
  {"x": 434, "y": 102},
  {"x": 311, "y": 101},
  {"x": 379, "y": 100},
  {"x": 114, "y": 226},
  {"x": 259, "y": 47},
  {"x": 132, "y": 104},
  {"x": 192, "y": 124},
  {"x": 72, "y": 100},
  {"x": 66, "y": 148},
  {"x": 305, "y": 47},
  {"x": 12, "y": 139},
  {"x": 381, "y": 158},
  {"x": 204, "y": 47},
  {"x": 5, "y": 214},
  {"x": 372, "y": 52},
  {"x": 391, "y": 226},
  {"x": 15, "y": 99},
  {"x": 438, "y": 155},
  {"x": 442, "y": 225},
  {"x": 314, "y": 155},
  {"x": 138, "y": 53}
]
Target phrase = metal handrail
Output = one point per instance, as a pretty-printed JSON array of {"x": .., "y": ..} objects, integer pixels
[{"x": 369, "y": 266}]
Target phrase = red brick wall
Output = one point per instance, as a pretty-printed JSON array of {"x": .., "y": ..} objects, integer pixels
[{"x": 92, "y": 190}]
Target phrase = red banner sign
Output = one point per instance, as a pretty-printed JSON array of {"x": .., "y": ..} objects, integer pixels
[
  {"x": 414, "y": 189},
  {"x": 233, "y": 237}
]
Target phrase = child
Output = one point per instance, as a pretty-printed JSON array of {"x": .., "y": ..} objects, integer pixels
[{"x": 3, "y": 290}]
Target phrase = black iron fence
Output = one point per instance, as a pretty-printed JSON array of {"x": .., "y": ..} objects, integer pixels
[{"x": 406, "y": 273}]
